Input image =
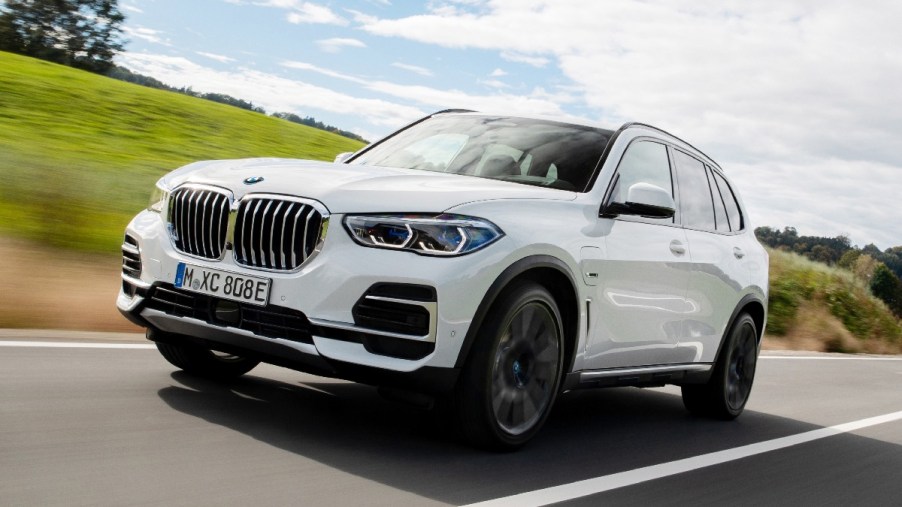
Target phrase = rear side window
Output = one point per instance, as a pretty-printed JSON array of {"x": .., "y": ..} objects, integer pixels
[
  {"x": 729, "y": 200},
  {"x": 695, "y": 194},
  {"x": 720, "y": 211}
]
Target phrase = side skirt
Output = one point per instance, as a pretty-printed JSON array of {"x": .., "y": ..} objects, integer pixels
[{"x": 641, "y": 376}]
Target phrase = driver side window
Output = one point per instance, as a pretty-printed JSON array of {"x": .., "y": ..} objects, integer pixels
[{"x": 643, "y": 162}]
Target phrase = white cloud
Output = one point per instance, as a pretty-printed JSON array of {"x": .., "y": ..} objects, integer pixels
[
  {"x": 147, "y": 34},
  {"x": 320, "y": 70},
  {"x": 535, "y": 61},
  {"x": 336, "y": 44},
  {"x": 537, "y": 103},
  {"x": 272, "y": 92},
  {"x": 131, "y": 8},
  {"x": 824, "y": 198},
  {"x": 494, "y": 83},
  {"x": 498, "y": 73},
  {"x": 305, "y": 12},
  {"x": 530, "y": 105},
  {"x": 214, "y": 56},
  {"x": 413, "y": 68}
]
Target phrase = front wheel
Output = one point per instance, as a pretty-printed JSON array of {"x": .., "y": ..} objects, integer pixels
[
  {"x": 204, "y": 362},
  {"x": 728, "y": 389},
  {"x": 512, "y": 377}
]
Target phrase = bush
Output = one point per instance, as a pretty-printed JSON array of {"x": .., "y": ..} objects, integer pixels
[
  {"x": 794, "y": 280},
  {"x": 782, "y": 306}
]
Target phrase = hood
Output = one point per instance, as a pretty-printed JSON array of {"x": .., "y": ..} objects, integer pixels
[{"x": 344, "y": 188}]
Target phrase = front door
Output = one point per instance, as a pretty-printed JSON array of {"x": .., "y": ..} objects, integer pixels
[{"x": 642, "y": 267}]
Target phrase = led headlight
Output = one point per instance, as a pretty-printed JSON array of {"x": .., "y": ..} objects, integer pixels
[
  {"x": 442, "y": 235},
  {"x": 158, "y": 198}
]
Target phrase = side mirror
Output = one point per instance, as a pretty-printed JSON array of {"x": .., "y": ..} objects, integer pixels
[
  {"x": 342, "y": 157},
  {"x": 645, "y": 200}
]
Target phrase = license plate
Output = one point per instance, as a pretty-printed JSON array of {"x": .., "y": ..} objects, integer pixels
[{"x": 222, "y": 284}]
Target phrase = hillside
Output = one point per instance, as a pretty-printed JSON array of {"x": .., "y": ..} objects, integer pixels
[
  {"x": 817, "y": 307},
  {"x": 79, "y": 153}
]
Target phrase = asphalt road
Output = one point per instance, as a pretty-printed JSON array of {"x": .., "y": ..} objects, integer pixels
[{"x": 113, "y": 426}]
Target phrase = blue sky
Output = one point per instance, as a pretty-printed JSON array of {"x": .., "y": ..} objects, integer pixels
[{"x": 797, "y": 100}]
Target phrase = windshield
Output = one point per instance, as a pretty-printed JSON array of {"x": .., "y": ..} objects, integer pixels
[{"x": 534, "y": 152}]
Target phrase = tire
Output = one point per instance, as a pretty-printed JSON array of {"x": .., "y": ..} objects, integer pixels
[
  {"x": 725, "y": 394},
  {"x": 511, "y": 379},
  {"x": 204, "y": 362}
]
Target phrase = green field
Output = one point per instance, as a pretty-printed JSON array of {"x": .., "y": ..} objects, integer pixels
[{"x": 79, "y": 153}]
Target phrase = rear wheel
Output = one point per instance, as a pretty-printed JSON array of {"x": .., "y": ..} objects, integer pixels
[
  {"x": 204, "y": 362},
  {"x": 728, "y": 389},
  {"x": 512, "y": 377}
]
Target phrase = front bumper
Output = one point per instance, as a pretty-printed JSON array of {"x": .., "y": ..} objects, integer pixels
[
  {"x": 313, "y": 320},
  {"x": 426, "y": 379}
]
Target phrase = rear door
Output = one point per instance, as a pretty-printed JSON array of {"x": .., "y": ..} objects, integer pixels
[{"x": 718, "y": 273}]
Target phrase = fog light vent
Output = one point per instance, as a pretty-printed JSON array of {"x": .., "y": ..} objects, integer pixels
[
  {"x": 131, "y": 257},
  {"x": 396, "y": 308}
]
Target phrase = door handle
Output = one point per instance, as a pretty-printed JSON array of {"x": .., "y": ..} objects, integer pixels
[
  {"x": 738, "y": 252},
  {"x": 677, "y": 247}
]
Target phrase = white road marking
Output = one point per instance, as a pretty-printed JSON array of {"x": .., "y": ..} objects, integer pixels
[
  {"x": 836, "y": 358},
  {"x": 76, "y": 345},
  {"x": 597, "y": 485}
]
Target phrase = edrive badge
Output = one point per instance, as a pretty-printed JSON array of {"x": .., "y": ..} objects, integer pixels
[{"x": 252, "y": 180}]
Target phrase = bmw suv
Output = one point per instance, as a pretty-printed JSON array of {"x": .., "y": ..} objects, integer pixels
[{"x": 488, "y": 261}]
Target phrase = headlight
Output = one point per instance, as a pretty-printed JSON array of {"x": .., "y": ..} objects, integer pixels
[
  {"x": 442, "y": 235},
  {"x": 158, "y": 198}
]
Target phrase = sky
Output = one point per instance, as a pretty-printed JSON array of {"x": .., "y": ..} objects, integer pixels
[{"x": 799, "y": 101}]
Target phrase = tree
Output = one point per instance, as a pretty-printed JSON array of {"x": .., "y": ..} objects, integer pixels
[
  {"x": 79, "y": 33},
  {"x": 886, "y": 286},
  {"x": 848, "y": 259},
  {"x": 864, "y": 267},
  {"x": 821, "y": 253}
]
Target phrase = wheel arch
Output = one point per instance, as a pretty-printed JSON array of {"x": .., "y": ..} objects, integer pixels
[
  {"x": 550, "y": 272},
  {"x": 756, "y": 308}
]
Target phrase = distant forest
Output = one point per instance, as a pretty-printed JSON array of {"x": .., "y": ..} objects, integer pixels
[
  {"x": 124, "y": 74},
  {"x": 882, "y": 269}
]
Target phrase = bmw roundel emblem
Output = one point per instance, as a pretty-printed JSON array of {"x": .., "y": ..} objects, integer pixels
[{"x": 252, "y": 180}]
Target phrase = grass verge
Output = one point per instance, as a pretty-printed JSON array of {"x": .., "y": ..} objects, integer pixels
[{"x": 79, "y": 153}]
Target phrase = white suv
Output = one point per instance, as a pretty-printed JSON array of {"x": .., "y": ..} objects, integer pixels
[{"x": 485, "y": 260}]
